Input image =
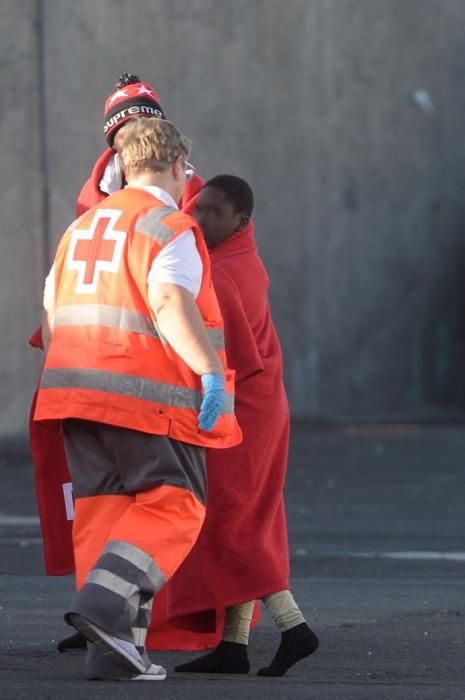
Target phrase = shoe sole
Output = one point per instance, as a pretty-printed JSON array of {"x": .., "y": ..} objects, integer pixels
[
  {"x": 150, "y": 676},
  {"x": 147, "y": 676},
  {"x": 99, "y": 637}
]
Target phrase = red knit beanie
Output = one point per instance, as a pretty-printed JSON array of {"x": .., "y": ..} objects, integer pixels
[{"x": 131, "y": 99}]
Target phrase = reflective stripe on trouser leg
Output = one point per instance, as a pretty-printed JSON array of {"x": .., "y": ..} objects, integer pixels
[
  {"x": 141, "y": 626},
  {"x": 101, "y": 666},
  {"x": 164, "y": 522},
  {"x": 93, "y": 520},
  {"x": 146, "y": 546},
  {"x": 122, "y": 577}
]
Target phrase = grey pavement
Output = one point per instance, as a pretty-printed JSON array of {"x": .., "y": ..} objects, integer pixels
[{"x": 376, "y": 519}]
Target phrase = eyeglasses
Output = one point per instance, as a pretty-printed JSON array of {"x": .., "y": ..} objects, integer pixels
[{"x": 189, "y": 169}]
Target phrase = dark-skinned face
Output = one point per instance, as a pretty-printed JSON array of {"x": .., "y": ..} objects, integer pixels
[{"x": 216, "y": 216}]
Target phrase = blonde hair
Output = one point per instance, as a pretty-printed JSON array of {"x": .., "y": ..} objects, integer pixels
[{"x": 151, "y": 144}]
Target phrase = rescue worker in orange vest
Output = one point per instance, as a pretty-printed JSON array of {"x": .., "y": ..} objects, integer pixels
[{"x": 135, "y": 369}]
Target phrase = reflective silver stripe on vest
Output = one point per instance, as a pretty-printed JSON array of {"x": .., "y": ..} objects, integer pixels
[
  {"x": 151, "y": 224},
  {"x": 102, "y": 315},
  {"x": 120, "y": 319},
  {"x": 127, "y": 385}
]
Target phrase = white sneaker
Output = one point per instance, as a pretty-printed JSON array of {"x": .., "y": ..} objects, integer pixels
[
  {"x": 125, "y": 652},
  {"x": 154, "y": 673}
]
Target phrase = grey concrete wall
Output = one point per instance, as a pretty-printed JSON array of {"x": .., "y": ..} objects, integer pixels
[
  {"x": 358, "y": 182},
  {"x": 21, "y": 238}
]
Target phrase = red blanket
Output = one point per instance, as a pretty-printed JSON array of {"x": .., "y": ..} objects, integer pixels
[
  {"x": 54, "y": 499},
  {"x": 242, "y": 550}
]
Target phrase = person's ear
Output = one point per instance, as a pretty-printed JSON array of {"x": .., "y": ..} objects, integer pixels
[
  {"x": 178, "y": 167},
  {"x": 243, "y": 222}
]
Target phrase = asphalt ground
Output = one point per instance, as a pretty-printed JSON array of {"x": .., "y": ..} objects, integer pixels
[{"x": 376, "y": 520}]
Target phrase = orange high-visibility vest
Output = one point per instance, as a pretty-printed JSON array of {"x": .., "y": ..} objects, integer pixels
[{"x": 106, "y": 361}]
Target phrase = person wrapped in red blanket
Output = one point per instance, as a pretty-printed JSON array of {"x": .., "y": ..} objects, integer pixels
[
  {"x": 131, "y": 98},
  {"x": 242, "y": 551}
]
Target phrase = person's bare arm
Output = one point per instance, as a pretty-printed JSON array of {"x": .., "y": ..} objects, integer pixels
[{"x": 180, "y": 322}]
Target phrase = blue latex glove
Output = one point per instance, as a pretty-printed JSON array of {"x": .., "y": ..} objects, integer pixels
[{"x": 213, "y": 400}]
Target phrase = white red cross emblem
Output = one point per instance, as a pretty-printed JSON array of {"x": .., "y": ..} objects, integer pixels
[{"x": 96, "y": 249}]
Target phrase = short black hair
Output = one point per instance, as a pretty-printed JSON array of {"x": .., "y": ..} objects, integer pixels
[{"x": 237, "y": 191}]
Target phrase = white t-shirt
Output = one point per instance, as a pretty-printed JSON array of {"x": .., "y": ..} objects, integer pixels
[{"x": 179, "y": 262}]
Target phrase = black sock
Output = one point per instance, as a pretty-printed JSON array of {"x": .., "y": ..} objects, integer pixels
[
  {"x": 228, "y": 657},
  {"x": 76, "y": 641},
  {"x": 296, "y": 644}
]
